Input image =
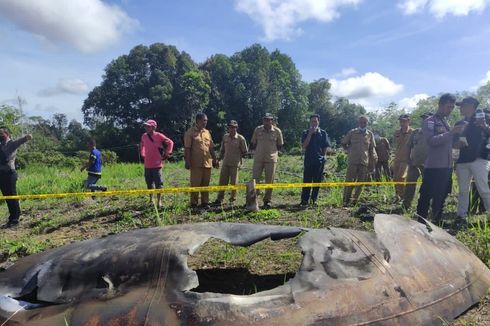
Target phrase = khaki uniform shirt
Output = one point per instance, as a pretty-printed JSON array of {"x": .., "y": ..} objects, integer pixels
[
  {"x": 200, "y": 143},
  {"x": 266, "y": 143},
  {"x": 360, "y": 146},
  {"x": 402, "y": 146},
  {"x": 383, "y": 149},
  {"x": 232, "y": 150},
  {"x": 418, "y": 153}
]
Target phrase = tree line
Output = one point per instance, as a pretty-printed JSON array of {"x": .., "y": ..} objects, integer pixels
[{"x": 162, "y": 83}]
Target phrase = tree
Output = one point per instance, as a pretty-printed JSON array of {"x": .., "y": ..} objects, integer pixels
[
  {"x": 344, "y": 119},
  {"x": 11, "y": 117},
  {"x": 483, "y": 95},
  {"x": 59, "y": 125},
  {"x": 148, "y": 83}
]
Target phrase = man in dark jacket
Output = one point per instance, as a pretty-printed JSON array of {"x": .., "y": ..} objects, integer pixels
[
  {"x": 8, "y": 175},
  {"x": 436, "y": 182},
  {"x": 473, "y": 157},
  {"x": 315, "y": 143}
]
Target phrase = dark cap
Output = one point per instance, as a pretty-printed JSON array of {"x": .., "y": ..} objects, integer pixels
[
  {"x": 268, "y": 116},
  {"x": 232, "y": 123},
  {"x": 468, "y": 100},
  {"x": 426, "y": 115},
  {"x": 404, "y": 117}
]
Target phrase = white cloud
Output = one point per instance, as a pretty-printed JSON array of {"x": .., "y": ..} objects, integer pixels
[
  {"x": 441, "y": 8},
  {"x": 346, "y": 72},
  {"x": 88, "y": 25},
  {"x": 279, "y": 18},
  {"x": 369, "y": 85},
  {"x": 65, "y": 86},
  {"x": 411, "y": 102}
]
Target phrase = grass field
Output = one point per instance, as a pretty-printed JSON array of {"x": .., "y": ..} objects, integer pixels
[{"x": 54, "y": 222}]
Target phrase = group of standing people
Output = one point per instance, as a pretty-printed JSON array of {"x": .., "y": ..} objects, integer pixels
[
  {"x": 426, "y": 152},
  {"x": 200, "y": 156}
]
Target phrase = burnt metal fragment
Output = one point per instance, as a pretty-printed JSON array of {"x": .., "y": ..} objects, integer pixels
[{"x": 400, "y": 275}]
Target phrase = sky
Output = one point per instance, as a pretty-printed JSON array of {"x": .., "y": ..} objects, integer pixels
[{"x": 53, "y": 52}]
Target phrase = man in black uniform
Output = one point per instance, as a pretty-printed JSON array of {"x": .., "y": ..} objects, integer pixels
[{"x": 436, "y": 182}]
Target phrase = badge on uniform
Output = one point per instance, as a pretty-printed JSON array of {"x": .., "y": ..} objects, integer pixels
[{"x": 430, "y": 125}]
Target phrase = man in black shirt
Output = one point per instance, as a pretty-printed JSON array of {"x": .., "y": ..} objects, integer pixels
[
  {"x": 315, "y": 143},
  {"x": 473, "y": 157}
]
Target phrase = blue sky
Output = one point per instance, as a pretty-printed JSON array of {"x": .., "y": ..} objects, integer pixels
[{"x": 53, "y": 52}]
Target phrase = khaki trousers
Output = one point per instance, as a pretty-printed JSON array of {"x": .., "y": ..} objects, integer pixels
[
  {"x": 399, "y": 175},
  {"x": 200, "y": 177},
  {"x": 382, "y": 168},
  {"x": 228, "y": 175},
  {"x": 355, "y": 172},
  {"x": 413, "y": 174},
  {"x": 270, "y": 171}
]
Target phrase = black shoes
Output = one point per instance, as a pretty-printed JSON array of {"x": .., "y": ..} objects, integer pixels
[
  {"x": 10, "y": 225},
  {"x": 216, "y": 203},
  {"x": 267, "y": 205},
  {"x": 205, "y": 206},
  {"x": 461, "y": 224}
]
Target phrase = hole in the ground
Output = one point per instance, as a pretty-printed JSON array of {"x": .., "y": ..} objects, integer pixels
[{"x": 224, "y": 268}]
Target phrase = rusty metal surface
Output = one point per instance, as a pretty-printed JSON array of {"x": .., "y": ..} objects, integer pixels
[{"x": 400, "y": 275}]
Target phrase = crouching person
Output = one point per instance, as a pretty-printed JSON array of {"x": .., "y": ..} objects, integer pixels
[{"x": 94, "y": 168}]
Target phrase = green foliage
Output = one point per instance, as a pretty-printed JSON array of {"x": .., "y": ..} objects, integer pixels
[
  {"x": 483, "y": 95},
  {"x": 48, "y": 158},
  {"x": 385, "y": 121},
  {"x": 23, "y": 246},
  {"x": 265, "y": 215},
  {"x": 477, "y": 239},
  {"x": 10, "y": 117},
  {"x": 341, "y": 158}
]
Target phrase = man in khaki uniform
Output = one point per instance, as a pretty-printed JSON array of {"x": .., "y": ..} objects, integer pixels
[
  {"x": 383, "y": 151},
  {"x": 199, "y": 157},
  {"x": 360, "y": 146},
  {"x": 233, "y": 147},
  {"x": 418, "y": 154},
  {"x": 267, "y": 142},
  {"x": 402, "y": 154}
]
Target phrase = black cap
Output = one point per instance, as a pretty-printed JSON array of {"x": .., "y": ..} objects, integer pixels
[
  {"x": 426, "y": 115},
  {"x": 404, "y": 117},
  {"x": 468, "y": 100}
]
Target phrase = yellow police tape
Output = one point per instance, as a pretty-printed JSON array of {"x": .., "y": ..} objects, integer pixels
[{"x": 201, "y": 189}]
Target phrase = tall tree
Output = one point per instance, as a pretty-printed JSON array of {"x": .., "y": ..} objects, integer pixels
[{"x": 150, "y": 82}]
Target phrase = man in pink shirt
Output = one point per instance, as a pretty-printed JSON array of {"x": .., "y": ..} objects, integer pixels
[{"x": 155, "y": 148}]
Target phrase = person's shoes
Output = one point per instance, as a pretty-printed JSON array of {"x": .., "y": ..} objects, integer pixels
[
  {"x": 10, "y": 225},
  {"x": 303, "y": 203},
  {"x": 217, "y": 202},
  {"x": 461, "y": 224},
  {"x": 204, "y": 206},
  {"x": 103, "y": 188},
  {"x": 267, "y": 205}
]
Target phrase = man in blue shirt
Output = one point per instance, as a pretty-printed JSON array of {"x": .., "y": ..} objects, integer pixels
[
  {"x": 315, "y": 143},
  {"x": 94, "y": 168}
]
